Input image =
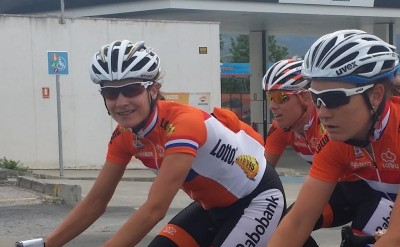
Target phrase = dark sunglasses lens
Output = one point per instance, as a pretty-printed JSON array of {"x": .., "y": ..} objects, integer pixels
[
  {"x": 110, "y": 93},
  {"x": 331, "y": 99},
  {"x": 132, "y": 90},
  {"x": 127, "y": 91}
]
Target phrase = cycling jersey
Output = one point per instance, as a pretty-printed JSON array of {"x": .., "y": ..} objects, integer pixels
[
  {"x": 177, "y": 128},
  {"x": 340, "y": 209},
  {"x": 229, "y": 172},
  {"x": 380, "y": 169},
  {"x": 304, "y": 145}
]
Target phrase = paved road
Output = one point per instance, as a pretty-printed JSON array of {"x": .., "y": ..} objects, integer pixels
[{"x": 26, "y": 215}]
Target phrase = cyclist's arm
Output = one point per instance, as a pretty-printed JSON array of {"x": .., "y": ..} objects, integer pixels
[
  {"x": 90, "y": 208},
  {"x": 170, "y": 178},
  {"x": 300, "y": 220},
  {"x": 391, "y": 236},
  {"x": 272, "y": 158}
]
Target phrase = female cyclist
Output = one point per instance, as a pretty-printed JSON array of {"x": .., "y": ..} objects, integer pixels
[
  {"x": 296, "y": 124},
  {"x": 239, "y": 199},
  {"x": 352, "y": 75}
]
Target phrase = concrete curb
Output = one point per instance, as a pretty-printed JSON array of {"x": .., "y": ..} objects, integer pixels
[
  {"x": 70, "y": 194},
  {"x": 134, "y": 179}
]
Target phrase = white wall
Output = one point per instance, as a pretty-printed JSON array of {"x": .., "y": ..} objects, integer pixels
[{"x": 28, "y": 126}]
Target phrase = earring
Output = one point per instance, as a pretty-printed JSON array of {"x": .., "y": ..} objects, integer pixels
[{"x": 373, "y": 107}]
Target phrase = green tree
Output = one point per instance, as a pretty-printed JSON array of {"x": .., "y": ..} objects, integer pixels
[
  {"x": 240, "y": 54},
  {"x": 276, "y": 52},
  {"x": 240, "y": 49}
]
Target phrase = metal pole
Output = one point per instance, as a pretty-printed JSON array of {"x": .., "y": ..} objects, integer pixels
[
  {"x": 60, "y": 149},
  {"x": 62, "y": 12},
  {"x": 390, "y": 31},
  {"x": 265, "y": 57}
]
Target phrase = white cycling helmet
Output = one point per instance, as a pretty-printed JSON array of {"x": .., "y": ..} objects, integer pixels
[
  {"x": 285, "y": 75},
  {"x": 352, "y": 56},
  {"x": 122, "y": 59}
]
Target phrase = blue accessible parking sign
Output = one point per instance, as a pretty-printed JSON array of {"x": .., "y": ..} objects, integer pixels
[{"x": 57, "y": 62}]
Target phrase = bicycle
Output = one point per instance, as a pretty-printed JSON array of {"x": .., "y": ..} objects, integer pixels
[
  {"x": 349, "y": 239},
  {"x": 37, "y": 242}
]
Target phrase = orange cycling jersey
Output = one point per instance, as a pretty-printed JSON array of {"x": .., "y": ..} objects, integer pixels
[
  {"x": 278, "y": 139},
  {"x": 229, "y": 162},
  {"x": 380, "y": 169}
]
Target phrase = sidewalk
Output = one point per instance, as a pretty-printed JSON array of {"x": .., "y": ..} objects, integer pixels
[{"x": 76, "y": 183}]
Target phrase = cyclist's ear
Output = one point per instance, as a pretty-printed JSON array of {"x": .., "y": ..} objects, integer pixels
[
  {"x": 376, "y": 94},
  {"x": 306, "y": 95}
]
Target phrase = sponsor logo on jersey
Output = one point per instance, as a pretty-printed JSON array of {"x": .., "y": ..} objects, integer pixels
[
  {"x": 167, "y": 126},
  {"x": 358, "y": 153},
  {"x": 389, "y": 159},
  {"x": 117, "y": 132},
  {"x": 225, "y": 152},
  {"x": 160, "y": 149},
  {"x": 357, "y": 165},
  {"x": 385, "y": 224},
  {"x": 324, "y": 140},
  {"x": 249, "y": 165},
  {"x": 144, "y": 154},
  {"x": 252, "y": 238},
  {"x": 314, "y": 142},
  {"x": 170, "y": 230}
]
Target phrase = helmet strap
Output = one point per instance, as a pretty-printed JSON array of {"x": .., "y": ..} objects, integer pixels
[
  {"x": 152, "y": 103},
  {"x": 304, "y": 110},
  {"x": 106, "y": 106},
  {"x": 374, "y": 118}
]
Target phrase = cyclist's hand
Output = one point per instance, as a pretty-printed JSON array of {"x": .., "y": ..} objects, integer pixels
[
  {"x": 388, "y": 239},
  {"x": 379, "y": 234}
]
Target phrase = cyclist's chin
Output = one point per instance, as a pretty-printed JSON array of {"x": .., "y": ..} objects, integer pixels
[
  {"x": 336, "y": 136},
  {"x": 128, "y": 122},
  {"x": 282, "y": 123}
]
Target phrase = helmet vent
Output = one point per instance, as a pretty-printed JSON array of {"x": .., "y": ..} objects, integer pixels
[
  {"x": 95, "y": 70},
  {"x": 103, "y": 65},
  {"x": 326, "y": 49},
  {"x": 140, "y": 64},
  {"x": 128, "y": 62},
  {"x": 153, "y": 67},
  {"x": 342, "y": 50},
  {"x": 114, "y": 60},
  {"x": 377, "y": 49},
  {"x": 388, "y": 65},
  {"x": 345, "y": 60},
  {"x": 366, "y": 68}
]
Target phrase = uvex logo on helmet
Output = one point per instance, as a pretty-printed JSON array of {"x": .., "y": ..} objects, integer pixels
[{"x": 346, "y": 68}]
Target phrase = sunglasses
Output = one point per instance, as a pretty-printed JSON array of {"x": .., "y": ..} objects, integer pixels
[
  {"x": 129, "y": 90},
  {"x": 333, "y": 98},
  {"x": 279, "y": 97}
]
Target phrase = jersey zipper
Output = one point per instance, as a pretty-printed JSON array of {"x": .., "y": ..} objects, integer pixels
[
  {"x": 375, "y": 165},
  {"x": 154, "y": 149}
]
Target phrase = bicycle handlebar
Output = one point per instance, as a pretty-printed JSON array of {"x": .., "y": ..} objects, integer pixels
[{"x": 349, "y": 239}]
